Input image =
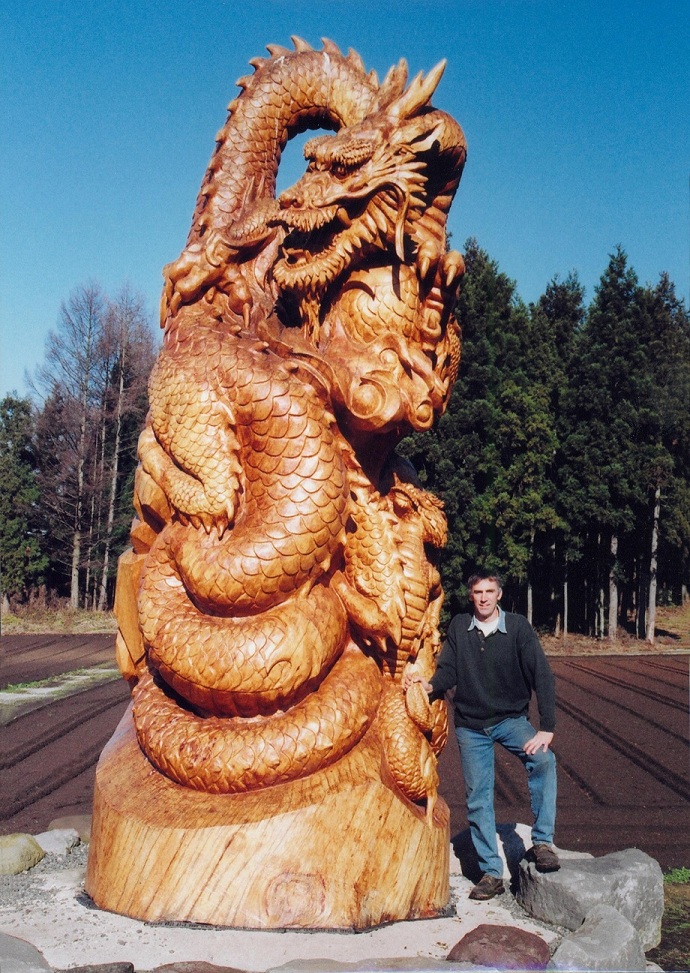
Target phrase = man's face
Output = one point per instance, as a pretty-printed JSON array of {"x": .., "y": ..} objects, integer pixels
[{"x": 485, "y": 596}]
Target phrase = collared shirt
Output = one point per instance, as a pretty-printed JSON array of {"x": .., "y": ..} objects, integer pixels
[{"x": 500, "y": 625}]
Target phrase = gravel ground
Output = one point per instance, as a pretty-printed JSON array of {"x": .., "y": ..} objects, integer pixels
[
  {"x": 20, "y": 892},
  {"x": 23, "y": 889}
]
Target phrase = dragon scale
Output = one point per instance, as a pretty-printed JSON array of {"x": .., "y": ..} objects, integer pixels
[{"x": 288, "y": 568}]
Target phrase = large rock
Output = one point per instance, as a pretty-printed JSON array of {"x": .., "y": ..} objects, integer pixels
[
  {"x": 506, "y": 947},
  {"x": 18, "y": 853},
  {"x": 629, "y": 881},
  {"x": 406, "y": 964},
  {"x": 605, "y": 941},
  {"x": 18, "y": 956},
  {"x": 58, "y": 841},
  {"x": 80, "y": 822},
  {"x": 102, "y": 968},
  {"x": 194, "y": 966}
]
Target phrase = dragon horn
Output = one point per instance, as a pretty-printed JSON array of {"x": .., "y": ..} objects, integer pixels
[
  {"x": 300, "y": 44},
  {"x": 330, "y": 48},
  {"x": 418, "y": 94},
  {"x": 277, "y": 50},
  {"x": 393, "y": 84}
]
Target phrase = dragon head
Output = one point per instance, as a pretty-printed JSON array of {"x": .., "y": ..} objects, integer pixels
[{"x": 367, "y": 188}]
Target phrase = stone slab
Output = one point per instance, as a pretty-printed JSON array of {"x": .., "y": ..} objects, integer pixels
[
  {"x": 605, "y": 941},
  {"x": 18, "y": 956},
  {"x": 629, "y": 881}
]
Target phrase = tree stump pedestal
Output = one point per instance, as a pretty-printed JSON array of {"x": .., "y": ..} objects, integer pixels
[{"x": 341, "y": 849}]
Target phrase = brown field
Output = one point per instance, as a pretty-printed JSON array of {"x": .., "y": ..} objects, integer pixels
[{"x": 621, "y": 744}]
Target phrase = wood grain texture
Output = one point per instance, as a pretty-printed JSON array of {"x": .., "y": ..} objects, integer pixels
[{"x": 339, "y": 850}]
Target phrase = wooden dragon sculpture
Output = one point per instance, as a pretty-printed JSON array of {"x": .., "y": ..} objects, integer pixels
[{"x": 284, "y": 554}]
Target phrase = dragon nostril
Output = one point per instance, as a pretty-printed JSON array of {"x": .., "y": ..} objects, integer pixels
[{"x": 288, "y": 200}]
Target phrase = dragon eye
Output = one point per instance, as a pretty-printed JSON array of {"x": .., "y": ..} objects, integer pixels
[{"x": 339, "y": 169}]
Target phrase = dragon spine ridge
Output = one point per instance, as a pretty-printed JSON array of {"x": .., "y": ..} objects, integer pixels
[{"x": 289, "y": 577}]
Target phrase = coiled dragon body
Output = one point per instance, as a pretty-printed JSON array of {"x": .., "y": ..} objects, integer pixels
[{"x": 288, "y": 574}]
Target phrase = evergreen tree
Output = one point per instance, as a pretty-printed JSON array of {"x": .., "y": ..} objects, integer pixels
[
  {"x": 23, "y": 561},
  {"x": 555, "y": 322},
  {"x": 488, "y": 457},
  {"x": 664, "y": 453},
  {"x": 57, "y": 437},
  {"x": 614, "y": 453}
]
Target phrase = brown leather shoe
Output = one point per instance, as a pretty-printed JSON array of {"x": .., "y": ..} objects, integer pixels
[
  {"x": 487, "y": 887},
  {"x": 545, "y": 858}
]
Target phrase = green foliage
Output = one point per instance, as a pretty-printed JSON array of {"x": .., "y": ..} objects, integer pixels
[
  {"x": 678, "y": 876},
  {"x": 562, "y": 424},
  {"x": 490, "y": 456},
  {"x": 23, "y": 562},
  {"x": 567, "y": 427},
  {"x": 624, "y": 418}
]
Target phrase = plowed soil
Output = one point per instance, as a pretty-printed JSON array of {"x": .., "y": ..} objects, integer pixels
[{"x": 621, "y": 746}]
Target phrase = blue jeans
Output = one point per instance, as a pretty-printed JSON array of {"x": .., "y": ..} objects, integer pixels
[{"x": 477, "y": 754}]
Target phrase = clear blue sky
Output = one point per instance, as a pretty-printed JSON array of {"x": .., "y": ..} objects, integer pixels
[{"x": 577, "y": 117}]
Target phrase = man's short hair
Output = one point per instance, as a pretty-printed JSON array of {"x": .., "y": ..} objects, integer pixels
[{"x": 481, "y": 574}]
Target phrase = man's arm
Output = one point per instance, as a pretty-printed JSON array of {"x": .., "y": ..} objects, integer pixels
[
  {"x": 445, "y": 676},
  {"x": 541, "y": 680}
]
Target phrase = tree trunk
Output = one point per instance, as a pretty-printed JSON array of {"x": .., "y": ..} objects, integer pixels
[
  {"x": 74, "y": 577},
  {"x": 613, "y": 591},
  {"x": 530, "y": 592},
  {"x": 651, "y": 604},
  {"x": 84, "y": 389},
  {"x": 103, "y": 595},
  {"x": 88, "y": 592},
  {"x": 79, "y": 512},
  {"x": 565, "y": 609},
  {"x": 599, "y": 607},
  {"x": 95, "y": 536},
  {"x": 641, "y": 622},
  {"x": 565, "y": 599},
  {"x": 554, "y": 613}
]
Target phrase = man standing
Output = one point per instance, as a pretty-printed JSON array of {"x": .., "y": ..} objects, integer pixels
[{"x": 495, "y": 661}]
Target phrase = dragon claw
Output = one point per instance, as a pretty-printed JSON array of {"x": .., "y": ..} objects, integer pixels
[{"x": 453, "y": 267}]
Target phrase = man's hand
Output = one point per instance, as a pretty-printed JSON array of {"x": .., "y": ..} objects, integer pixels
[
  {"x": 409, "y": 677},
  {"x": 540, "y": 741}
]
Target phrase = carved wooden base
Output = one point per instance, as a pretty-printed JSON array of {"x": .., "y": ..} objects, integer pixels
[{"x": 339, "y": 850}]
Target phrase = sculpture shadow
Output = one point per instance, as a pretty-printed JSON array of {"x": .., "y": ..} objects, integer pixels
[{"x": 511, "y": 847}]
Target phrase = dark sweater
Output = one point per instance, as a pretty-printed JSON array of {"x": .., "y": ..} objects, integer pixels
[{"x": 494, "y": 677}]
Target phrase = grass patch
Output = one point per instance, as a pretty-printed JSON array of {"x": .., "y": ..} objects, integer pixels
[
  {"x": 59, "y": 621},
  {"x": 673, "y": 952},
  {"x": 678, "y": 876},
  {"x": 24, "y": 697},
  {"x": 85, "y": 674}
]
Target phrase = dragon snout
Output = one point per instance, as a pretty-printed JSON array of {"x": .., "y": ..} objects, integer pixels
[{"x": 290, "y": 198}]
